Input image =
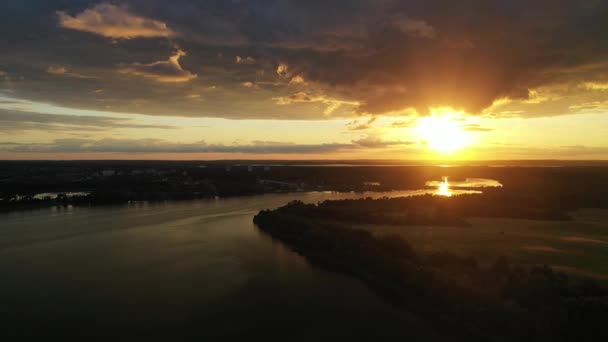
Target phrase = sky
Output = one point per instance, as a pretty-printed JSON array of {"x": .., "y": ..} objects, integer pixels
[{"x": 304, "y": 79}]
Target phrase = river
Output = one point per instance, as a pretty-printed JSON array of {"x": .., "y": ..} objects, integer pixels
[{"x": 197, "y": 269}]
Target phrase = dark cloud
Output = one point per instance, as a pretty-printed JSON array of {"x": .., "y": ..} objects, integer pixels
[
  {"x": 380, "y": 56},
  {"x": 15, "y": 121},
  {"x": 481, "y": 51}
]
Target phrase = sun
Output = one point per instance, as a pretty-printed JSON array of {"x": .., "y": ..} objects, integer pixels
[{"x": 443, "y": 133}]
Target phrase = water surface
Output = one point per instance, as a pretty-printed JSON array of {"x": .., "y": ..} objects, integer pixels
[{"x": 182, "y": 269}]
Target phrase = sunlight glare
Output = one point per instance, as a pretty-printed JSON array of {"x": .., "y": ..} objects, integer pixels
[
  {"x": 444, "y": 188},
  {"x": 443, "y": 133}
]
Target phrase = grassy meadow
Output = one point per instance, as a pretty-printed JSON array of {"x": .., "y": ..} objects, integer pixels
[{"x": 577, "y": 247}]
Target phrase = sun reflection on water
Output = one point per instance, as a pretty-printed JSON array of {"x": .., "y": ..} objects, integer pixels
[{"x": 444, "y": 188}]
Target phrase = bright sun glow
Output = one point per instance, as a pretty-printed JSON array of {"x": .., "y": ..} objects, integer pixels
[
  {"x": 443, "y": 133},
  {"x": 444, "y": 188}
]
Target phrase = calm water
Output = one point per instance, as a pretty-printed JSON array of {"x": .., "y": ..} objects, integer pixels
[{"x": 180, "y": 269}]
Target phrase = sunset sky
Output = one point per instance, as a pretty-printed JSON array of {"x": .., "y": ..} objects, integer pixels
[{"x": 307, "y": 79}]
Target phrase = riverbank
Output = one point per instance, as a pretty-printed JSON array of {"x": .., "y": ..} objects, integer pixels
[{"x": 502, "y": 301}]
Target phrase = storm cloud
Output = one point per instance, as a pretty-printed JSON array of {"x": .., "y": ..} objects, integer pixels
[{"x": 310, "y": 59}]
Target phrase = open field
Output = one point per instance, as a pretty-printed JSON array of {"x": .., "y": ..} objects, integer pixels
[
  {"x": 579, "y": 246},
  {"x": 499, "y": 301}
]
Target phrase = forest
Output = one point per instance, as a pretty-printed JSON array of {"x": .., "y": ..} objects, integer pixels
[{"x": 503, "y": 301}]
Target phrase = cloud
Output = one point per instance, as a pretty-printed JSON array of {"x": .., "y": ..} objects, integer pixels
[
  {"x": 4, "y": 76},
  {"x": 357, "y": 125},
  {"x": 61, "y": 70},
  {"x": 414, "y": 27},
  {"x": 297, "y": 80},
  {"x": 302, "y": 97},
  {"x": 475, "y": 128},
  {"x": 164, "y": 146},
  {"x": 249, "y": 84},
  {"x": 193, "y": 96},
  {"x": 56, "y": 70},
  {"x": 244, "y": 60},
  {"x": 114, "y": 22},
  {"x": 14, "y": 121},
  {"x": 402, "y": 124},
  {"x": 283, "y": 70},
  {"x": 384, "y": 56},
  {"x": 373, "y": 142},
  {"x": 600, "y": 105},
  {"x": 595, "y": 86},
  {"x": 582, "y": 150},
  {"x": 169, "y": 71},
  {"x": 296, "y": 98},
  {"x": 405, "y": 55},
  {"x": 290, "y": 75},
  {"x": 515, "y": 151}
]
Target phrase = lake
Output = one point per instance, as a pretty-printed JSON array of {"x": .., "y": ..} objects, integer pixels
[{"x": 182, "y": 269}]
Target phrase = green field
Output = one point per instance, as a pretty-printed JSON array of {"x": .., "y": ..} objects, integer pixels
[{"x": 578, "y": 247}]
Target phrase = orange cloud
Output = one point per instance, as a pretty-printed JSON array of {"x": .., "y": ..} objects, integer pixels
[
  {"x": 61, "y": 70},
  {"x": 298, "y": 79},
  {"x": 302, "y": 97},
  {"x": 595, "y": 86},
  {"x": 249, "y": 85},
  {"x": 283, "y": 69},
  {"x": 114, "y": 22},
  {"x": 163, "y": 71},
  {"x": 244, "y": 60}
]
